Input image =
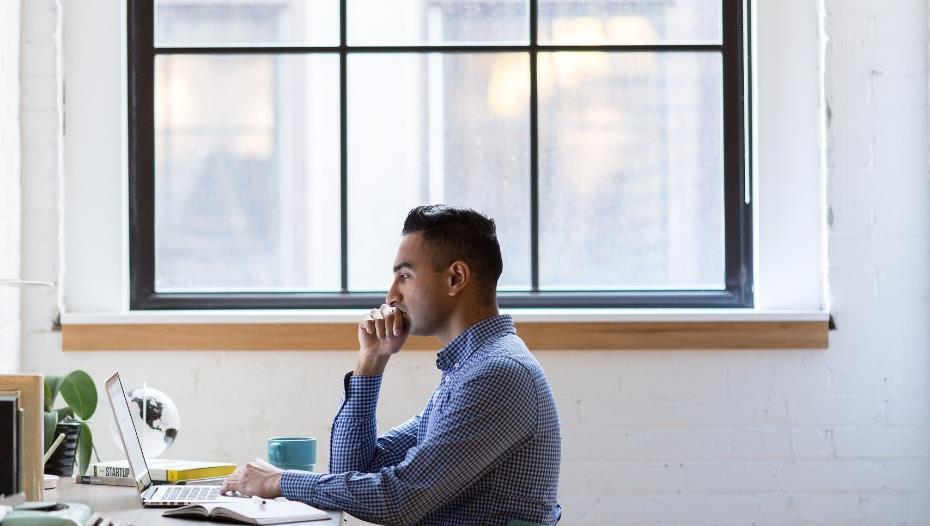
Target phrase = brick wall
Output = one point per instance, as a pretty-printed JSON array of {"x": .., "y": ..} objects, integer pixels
[
  {"x": 837, "y": 436},
  {"x": 42, "y": 137},
  {"x": 9, "y": 184}
]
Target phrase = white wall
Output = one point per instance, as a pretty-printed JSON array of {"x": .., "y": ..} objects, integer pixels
[
  {"x": 42, "y": 138},
  {"x": 9, "y": 184},
  {"x": 837, "y": 436}
]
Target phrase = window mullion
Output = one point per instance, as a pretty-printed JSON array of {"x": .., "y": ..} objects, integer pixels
[
  {"x": 344, "y": 155},
  {"x": 534, "y": 151}
]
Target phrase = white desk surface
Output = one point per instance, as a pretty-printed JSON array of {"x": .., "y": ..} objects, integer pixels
[{"x": 122, "y": 505}]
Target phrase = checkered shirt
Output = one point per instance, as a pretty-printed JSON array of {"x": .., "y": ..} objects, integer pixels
[{"x": 484, "y": 451}]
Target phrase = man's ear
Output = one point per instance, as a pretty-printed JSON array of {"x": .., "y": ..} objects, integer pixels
[{"x": 459, "y": 277}]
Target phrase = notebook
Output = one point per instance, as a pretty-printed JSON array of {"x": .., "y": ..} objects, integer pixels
[
  {"x": 251, "y": 511},
  {"x": 152, "y": 495}
]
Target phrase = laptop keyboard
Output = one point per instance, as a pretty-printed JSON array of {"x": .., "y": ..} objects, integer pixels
[{"x": 191, "y": 493}]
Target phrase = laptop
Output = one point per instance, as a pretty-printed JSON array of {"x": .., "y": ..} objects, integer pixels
[{"x": 162, "y": 495}]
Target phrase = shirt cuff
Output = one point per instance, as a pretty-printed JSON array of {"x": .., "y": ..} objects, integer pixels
[
  {"x": 361, "y": 396},
  {"x": 298, "y": 485}
]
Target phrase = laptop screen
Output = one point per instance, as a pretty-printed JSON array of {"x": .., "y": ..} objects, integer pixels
[{"x": 127, "y": 430}]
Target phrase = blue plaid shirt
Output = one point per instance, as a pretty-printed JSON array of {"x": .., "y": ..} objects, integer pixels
[{"x": 484, "y": 451}]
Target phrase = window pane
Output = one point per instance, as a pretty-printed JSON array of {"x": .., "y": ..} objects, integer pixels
[
  {"x": 409, "y": 22},
  {"x": 436, "y": 128},
  {"x": 246, "y": 172},
  {"x": 631, "y": 171},
  {"x": 630, "y": 22},
  {"x": 246, "y": 22}
]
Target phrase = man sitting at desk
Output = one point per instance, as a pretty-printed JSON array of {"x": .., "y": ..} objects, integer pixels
[{"x": 486, "y": 448}]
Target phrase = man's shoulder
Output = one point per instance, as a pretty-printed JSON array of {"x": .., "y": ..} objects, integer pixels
[
  {"x": 507, "y": 355},
  {"x": 504, "y": 340}
]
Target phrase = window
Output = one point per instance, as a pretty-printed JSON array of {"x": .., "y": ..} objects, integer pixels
[{"x": 275, "y": 146}]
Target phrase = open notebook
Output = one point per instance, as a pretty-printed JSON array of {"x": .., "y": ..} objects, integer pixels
[{"x": 251, "y": 511}]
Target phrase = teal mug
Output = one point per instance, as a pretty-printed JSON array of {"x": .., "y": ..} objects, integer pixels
[{"x": 292, "y": 452}]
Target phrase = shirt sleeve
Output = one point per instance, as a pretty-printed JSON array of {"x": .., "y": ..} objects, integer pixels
[
  {"x": 353, "y": 442},
  {"x": 485, "y": 418}
]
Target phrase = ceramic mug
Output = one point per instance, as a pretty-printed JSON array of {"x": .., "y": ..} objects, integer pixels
[{"x": 292, "y": 452}]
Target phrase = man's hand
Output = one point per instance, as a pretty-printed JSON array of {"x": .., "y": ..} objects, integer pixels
[
  {"x": 381, "y": 333},
  {"x": 254, "y": 479}
]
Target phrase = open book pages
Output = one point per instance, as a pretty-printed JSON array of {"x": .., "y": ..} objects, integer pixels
[{"x": 251, "y": 511}]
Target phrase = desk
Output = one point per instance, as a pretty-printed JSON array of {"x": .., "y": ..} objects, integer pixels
[{"x": 122, "y": 504}]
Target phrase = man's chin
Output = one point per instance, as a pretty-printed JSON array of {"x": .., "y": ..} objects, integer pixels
[{"x": 415, "y": 330}]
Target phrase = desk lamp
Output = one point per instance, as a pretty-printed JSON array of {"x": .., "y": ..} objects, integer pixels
[{"x": 18, "y": 283}]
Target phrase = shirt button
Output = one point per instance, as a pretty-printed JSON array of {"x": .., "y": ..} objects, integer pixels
[{"x": 456, "y": 365}]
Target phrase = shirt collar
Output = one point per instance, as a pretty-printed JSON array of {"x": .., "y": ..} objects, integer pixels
[{"x": 461, "y": 347}]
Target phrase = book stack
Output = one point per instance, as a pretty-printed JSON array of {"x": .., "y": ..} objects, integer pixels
[
  {"x": 28, "y": 388},
  {"x": 11, "y": 443},
  {"x": 161, "y": 470}
]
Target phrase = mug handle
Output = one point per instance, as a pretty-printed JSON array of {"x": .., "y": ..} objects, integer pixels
[{"x": 275, "y": 452}]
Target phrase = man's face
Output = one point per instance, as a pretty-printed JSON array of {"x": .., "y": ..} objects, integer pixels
[{"x": 418, "y": 290}]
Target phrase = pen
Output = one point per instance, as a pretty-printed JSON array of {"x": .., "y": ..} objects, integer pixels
[{"x": 53, "y": 447}]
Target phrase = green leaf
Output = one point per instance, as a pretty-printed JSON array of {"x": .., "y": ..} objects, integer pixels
[
  {"x": 84, "y": 447},
  {"x": 65, "y": 414},
  {"x": 80, "y": 394},
  {"x": 51, "y": 422},
  {"x": 47, "y": 402},
  {"x": 52, "y": 384}
]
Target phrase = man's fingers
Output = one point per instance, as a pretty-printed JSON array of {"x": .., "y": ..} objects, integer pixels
[
  {"x": 369, "y": 321},
  {"x": 231, "y": 483},
  {"x": 389, "y": 314},
  {"x": 379, "y": 323},
  {"x": 385, "y": 322},
  {"x": 398, "y": 322}
]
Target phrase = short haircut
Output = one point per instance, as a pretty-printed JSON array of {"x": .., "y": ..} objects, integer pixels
[{"x": 459, "y": 234}]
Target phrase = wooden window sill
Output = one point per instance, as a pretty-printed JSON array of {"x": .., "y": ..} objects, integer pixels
[{"x": 221, "y": 332}]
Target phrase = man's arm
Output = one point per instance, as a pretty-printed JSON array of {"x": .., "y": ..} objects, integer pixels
[
  {"x": 381, "y": 334},
  {"x": 353, "y": 442},
  {"x": 488, "y": 417}
]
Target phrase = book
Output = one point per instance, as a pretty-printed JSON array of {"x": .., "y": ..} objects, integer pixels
[
  {"x": 9, "y": 444},
  {"x": 104, "y": 481},
  {"x": 165, "y": 470},
  {"x": 20, "y": 419},
  {"x": 251, "y": 511},
  {"x": 127, "y": 481}
]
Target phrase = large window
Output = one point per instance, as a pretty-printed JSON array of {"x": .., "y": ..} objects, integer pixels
[{"x": 276, "y": 145}]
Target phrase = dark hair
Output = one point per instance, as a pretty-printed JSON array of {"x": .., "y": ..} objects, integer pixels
[{"x": 459, "y": 234}]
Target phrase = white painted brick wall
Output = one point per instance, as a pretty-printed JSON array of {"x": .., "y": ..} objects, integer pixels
[
  {"x": 41, "y": 111},
  {"x": 9, "y": 184},
  {"x": 838, "y": 436}
]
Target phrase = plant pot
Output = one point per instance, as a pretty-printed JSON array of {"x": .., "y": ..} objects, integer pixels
[{"x": 62, "y": 461}]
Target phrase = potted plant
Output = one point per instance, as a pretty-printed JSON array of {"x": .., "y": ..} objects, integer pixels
[{"x": 80, "y": 395}]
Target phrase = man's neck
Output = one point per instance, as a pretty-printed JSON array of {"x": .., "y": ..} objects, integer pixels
[{"x": 461, "y": 320}]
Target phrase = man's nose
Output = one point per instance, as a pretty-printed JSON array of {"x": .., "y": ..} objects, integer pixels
[{"x": 393, "y": 297}]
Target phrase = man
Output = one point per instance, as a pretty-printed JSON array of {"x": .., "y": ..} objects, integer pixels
[{"x": 486, "y": 448}]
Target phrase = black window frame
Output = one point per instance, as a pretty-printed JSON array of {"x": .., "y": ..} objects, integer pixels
[{"x": 737, "y": 162}]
